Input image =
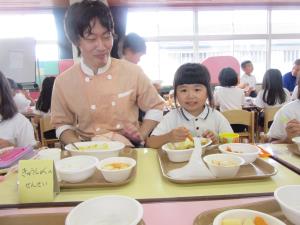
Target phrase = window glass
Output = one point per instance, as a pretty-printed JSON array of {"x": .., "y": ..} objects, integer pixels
[
  {"x": 164, "y": 58},
  {"x": 285, "y": 21},
  {"x": 232, "y": 22},
  {"x": 284, "y": 53},
  {"x": 255, "y": 51}
]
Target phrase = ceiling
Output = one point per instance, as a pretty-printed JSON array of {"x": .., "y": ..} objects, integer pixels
[{"x": 4, "y": 4}]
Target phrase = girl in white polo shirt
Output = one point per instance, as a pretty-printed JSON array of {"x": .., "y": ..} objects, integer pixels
[
  {"x": 192, "y": 91},
  {"x": 15, "y": 129},
  {"x": 286, "y": 124}
]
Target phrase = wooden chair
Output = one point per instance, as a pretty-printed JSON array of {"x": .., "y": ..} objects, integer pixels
[
  {"x": 242, "y": 117},
  {"x": 45, "y": 125},
  {"x": 269, "y": 114}
]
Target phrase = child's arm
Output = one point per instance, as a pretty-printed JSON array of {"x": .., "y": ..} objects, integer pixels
[
  {"x": 176, "y": 135},
  {"x": 211, "y": 135}
]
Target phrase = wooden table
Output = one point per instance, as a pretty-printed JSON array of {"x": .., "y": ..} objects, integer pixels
[
  {"x": 288, "y": 155},
  {"x": 150, "y": 186}
]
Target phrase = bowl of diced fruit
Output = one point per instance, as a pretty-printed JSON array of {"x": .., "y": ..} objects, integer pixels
[
  {"x": 245, "y": 217},
  {"x": 99, "y": 149},
  {"x": 182, "y": 151}
]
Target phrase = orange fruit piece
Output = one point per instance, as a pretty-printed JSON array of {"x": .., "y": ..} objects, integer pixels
[{"x": 259, "y": 221}]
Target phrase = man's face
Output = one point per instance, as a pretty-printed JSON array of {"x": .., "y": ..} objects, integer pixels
[
  {"x": 96, "y": 46},
  {"x": 296, "y": 70}
]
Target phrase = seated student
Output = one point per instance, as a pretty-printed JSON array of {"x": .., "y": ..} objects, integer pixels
[
  {"x": 43, "y": 103},
  {"x": 21, "y": 98},
  {"x": 290, "y": 79},
  {"x": 191, "y": 89},
  {"x": 228, "y": 96},
  {"x": 248, "y": 81},
  {"x": 273, "y": 93},
  {"x": 15, "y": 129},
  {"x": 132, "y": 48},
  {"x": 286, "y": 124}
]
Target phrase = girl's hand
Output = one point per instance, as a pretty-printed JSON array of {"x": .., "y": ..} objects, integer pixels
[
  {"x": 211, "y": 135},
  {"x": 4, "y": 143},
  {"x": 293, "y": 128},
  {"x": 178, "y": 134}
]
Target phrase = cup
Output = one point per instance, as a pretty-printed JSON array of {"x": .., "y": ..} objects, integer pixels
[
  {"x": 229, "y": 138},
  {"x": 50, "y": 153}
]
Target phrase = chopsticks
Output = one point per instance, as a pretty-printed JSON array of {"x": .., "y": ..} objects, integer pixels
[
  {"x": 73, "y": 144},
  {"x": 264, "y": 153}
]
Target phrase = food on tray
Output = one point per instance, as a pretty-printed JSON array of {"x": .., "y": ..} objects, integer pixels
[
  {"x": 116, "y": 166},
  {"x": 224, "y": 163},
  {"x": 104, "y": 146},
  {"x": 248, "y": 221},
  {"x": 229, "y": 149},
  {"x": 188, "y": 143}
]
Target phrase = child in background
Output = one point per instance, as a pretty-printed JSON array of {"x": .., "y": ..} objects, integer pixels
[
  {"x": 286, "y": 124},
  {"x": 272, "y": 93},
  {"x": 15, "y": 129},
  {"x": 248, "y": 81},
  {"x": 195, "y": 116},
  {"x": 229, "y": 96}
]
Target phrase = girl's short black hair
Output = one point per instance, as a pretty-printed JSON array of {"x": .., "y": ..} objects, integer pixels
[
  {"x": 44, "y": 102},
  {"x": 228, "y": 77},
  {"x": 8, "y": 107},
  {"x": 80, "y": 15},
  {"x": 273, "y": 87},
  {"x": 193, "y": 73}
]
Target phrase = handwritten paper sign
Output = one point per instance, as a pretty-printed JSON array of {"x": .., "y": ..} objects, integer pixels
[{"x": 37, "y": 181}]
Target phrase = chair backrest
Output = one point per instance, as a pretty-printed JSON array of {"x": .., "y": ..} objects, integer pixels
[
  {"x": 269, "y": 114},
  {"x": 242, "y": 117},
  {"x": 215, "y": 64},
  {"x": 45, "y": 126}
]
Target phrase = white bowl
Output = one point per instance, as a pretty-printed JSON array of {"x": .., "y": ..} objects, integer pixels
[
  {"x": 296, "y": 140},
  {"x": 50, "y": 153},
  {"x": 114, "y": 147},
  {"x": 288, "y": 198},
  {"x": 182, "y": 155},
  {"x": 113, "y": 210},
  {"x": 244, "y": 214},
  {"x": 76, "y": 168},
  {"x": 247, "y": 151},
  {"x": 118, "y": 175},
  {"x": 224, "y": 171}
]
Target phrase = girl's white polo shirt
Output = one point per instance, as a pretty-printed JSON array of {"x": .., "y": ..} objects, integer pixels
[{"x": 209, "y": 119}]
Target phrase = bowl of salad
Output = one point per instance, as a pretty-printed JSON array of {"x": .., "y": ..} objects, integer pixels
[{"x": 99, "y": 149}]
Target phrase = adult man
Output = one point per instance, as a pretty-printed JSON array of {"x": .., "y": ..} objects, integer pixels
[
  {"x": 289, "y": 79},
  {"x": 100, "y": 95}
]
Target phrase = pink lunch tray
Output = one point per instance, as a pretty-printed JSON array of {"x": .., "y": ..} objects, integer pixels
[{"x": 11, "y": 156}]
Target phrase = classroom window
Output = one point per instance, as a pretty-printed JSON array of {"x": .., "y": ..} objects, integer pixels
[
  {"x": 39, "y": 26},
  {"x": 266, "y": 36}
]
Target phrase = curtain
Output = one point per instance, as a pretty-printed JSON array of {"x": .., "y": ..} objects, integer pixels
[
  {"x": 120, "y": 18},
  {"x": 65, "y": 47}
]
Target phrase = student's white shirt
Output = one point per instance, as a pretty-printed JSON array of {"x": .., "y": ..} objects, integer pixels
[
  {"x": 209, "y": 119},
  {"x": 250, "y": 80},
  {"x": 22, "y": 102},
  {"x": 295, "y": 93},
  {"x": 261, "y": 104},
  {"x": 286, "y": 113},
  {"x": 229, "y": 98},
  {"x": 17, "y": 130}
]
